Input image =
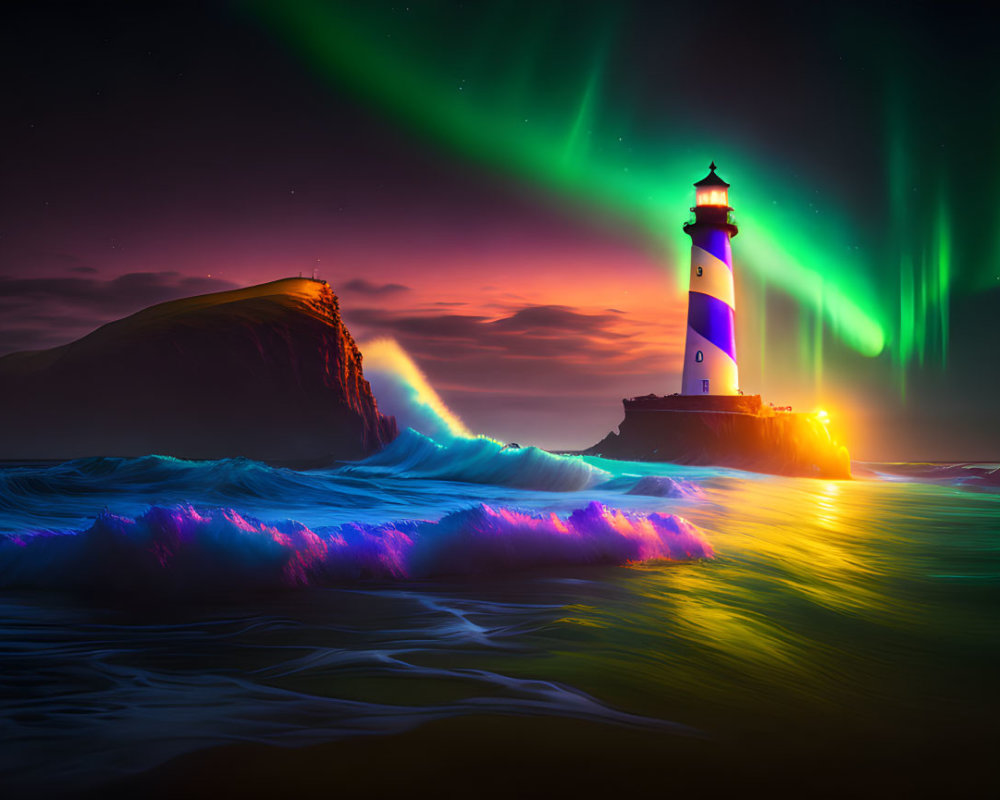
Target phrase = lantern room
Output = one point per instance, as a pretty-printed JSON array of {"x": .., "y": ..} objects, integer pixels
[{"x": 712, "y": 190}]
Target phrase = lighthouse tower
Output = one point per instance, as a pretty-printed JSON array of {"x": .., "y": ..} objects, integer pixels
[{"x": 710, "y": 352}]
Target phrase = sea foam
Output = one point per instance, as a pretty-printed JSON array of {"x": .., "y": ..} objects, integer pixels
[
  {"x": 403, "y": 391},
  {"x": 435, "y": 443},
  {"x": 663, "y": 486},
  {"x": 479, "y": 460},
  {"x": 183, "y": 549}
]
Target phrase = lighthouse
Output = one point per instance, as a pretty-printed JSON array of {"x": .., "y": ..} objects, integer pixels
[
  {"x": 711, "y": 421},
  {"x": 710, "y": 350}
]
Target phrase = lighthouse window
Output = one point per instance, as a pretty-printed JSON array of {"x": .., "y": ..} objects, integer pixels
[
  {"x": 704, "y": 387},
  {"x": 699, "y": 356},
  {"x": 699, "y": 272}
]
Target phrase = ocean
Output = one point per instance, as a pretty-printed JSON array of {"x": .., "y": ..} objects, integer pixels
[{"x": 187, "y": 627}]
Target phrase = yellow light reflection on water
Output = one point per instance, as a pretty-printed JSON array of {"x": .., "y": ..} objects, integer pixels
[{"x": 816, "y": 592}]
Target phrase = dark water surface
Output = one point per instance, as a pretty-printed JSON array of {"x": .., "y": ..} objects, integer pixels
[{"x": 838, "y": 633}]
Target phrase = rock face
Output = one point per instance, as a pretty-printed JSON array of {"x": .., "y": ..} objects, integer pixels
[
  {"x": 728, "y": 432},
  {"x": 268, "y": 373}
]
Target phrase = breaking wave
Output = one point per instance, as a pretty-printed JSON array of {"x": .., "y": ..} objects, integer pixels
[
  {"x": 436, "y": 444},
  {"x": 479, "y": 460},
  {"x": 187, "y": 550},
  {"x": 403, "y": 391}
]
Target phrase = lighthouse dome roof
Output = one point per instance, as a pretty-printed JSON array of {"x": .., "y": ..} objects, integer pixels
[{"x": 712, "y": 179}]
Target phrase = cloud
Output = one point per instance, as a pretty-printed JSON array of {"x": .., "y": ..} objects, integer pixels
[
  {"x": 361, "y": 286},
  {"x": 545, "y": 320},
  {"x": 130, "y": 291},
  {"x": 42, "y": 312},
  {"x": 532, "y": 351}
]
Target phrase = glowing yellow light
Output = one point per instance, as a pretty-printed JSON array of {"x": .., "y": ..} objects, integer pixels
[
  {"x": 827, "y": 506},
  {"x": 712, "y": 197},
  {"x": 823, "y": 417}
]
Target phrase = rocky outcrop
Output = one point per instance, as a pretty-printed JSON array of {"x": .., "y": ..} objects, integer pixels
[
  {"x": 725, "y": 431},
  {"x": 269, "y": 373}
]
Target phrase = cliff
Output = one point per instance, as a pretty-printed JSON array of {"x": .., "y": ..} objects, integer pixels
[
  {"x": 722, "y": 431},
  {"x": 269, "y": 373}
]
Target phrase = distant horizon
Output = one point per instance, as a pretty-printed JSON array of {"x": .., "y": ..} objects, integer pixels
[{"x": 557, "y": 448}]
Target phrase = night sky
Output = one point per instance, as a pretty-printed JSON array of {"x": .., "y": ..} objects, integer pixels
[{"x": 501, "y": 188}]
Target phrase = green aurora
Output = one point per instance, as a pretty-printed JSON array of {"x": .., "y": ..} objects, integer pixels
[{"x": 531, "y": 93}]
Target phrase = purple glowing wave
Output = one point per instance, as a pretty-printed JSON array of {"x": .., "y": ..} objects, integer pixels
[{"x": 185, "y": 549}]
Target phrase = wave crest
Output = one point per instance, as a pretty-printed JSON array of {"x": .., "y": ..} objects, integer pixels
[
  {"x": 479, "y": 460},
  {"x": 185, "y": 550}
]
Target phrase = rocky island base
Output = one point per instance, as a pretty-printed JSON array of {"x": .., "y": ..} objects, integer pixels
[{"x": 727, "y": 431}]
